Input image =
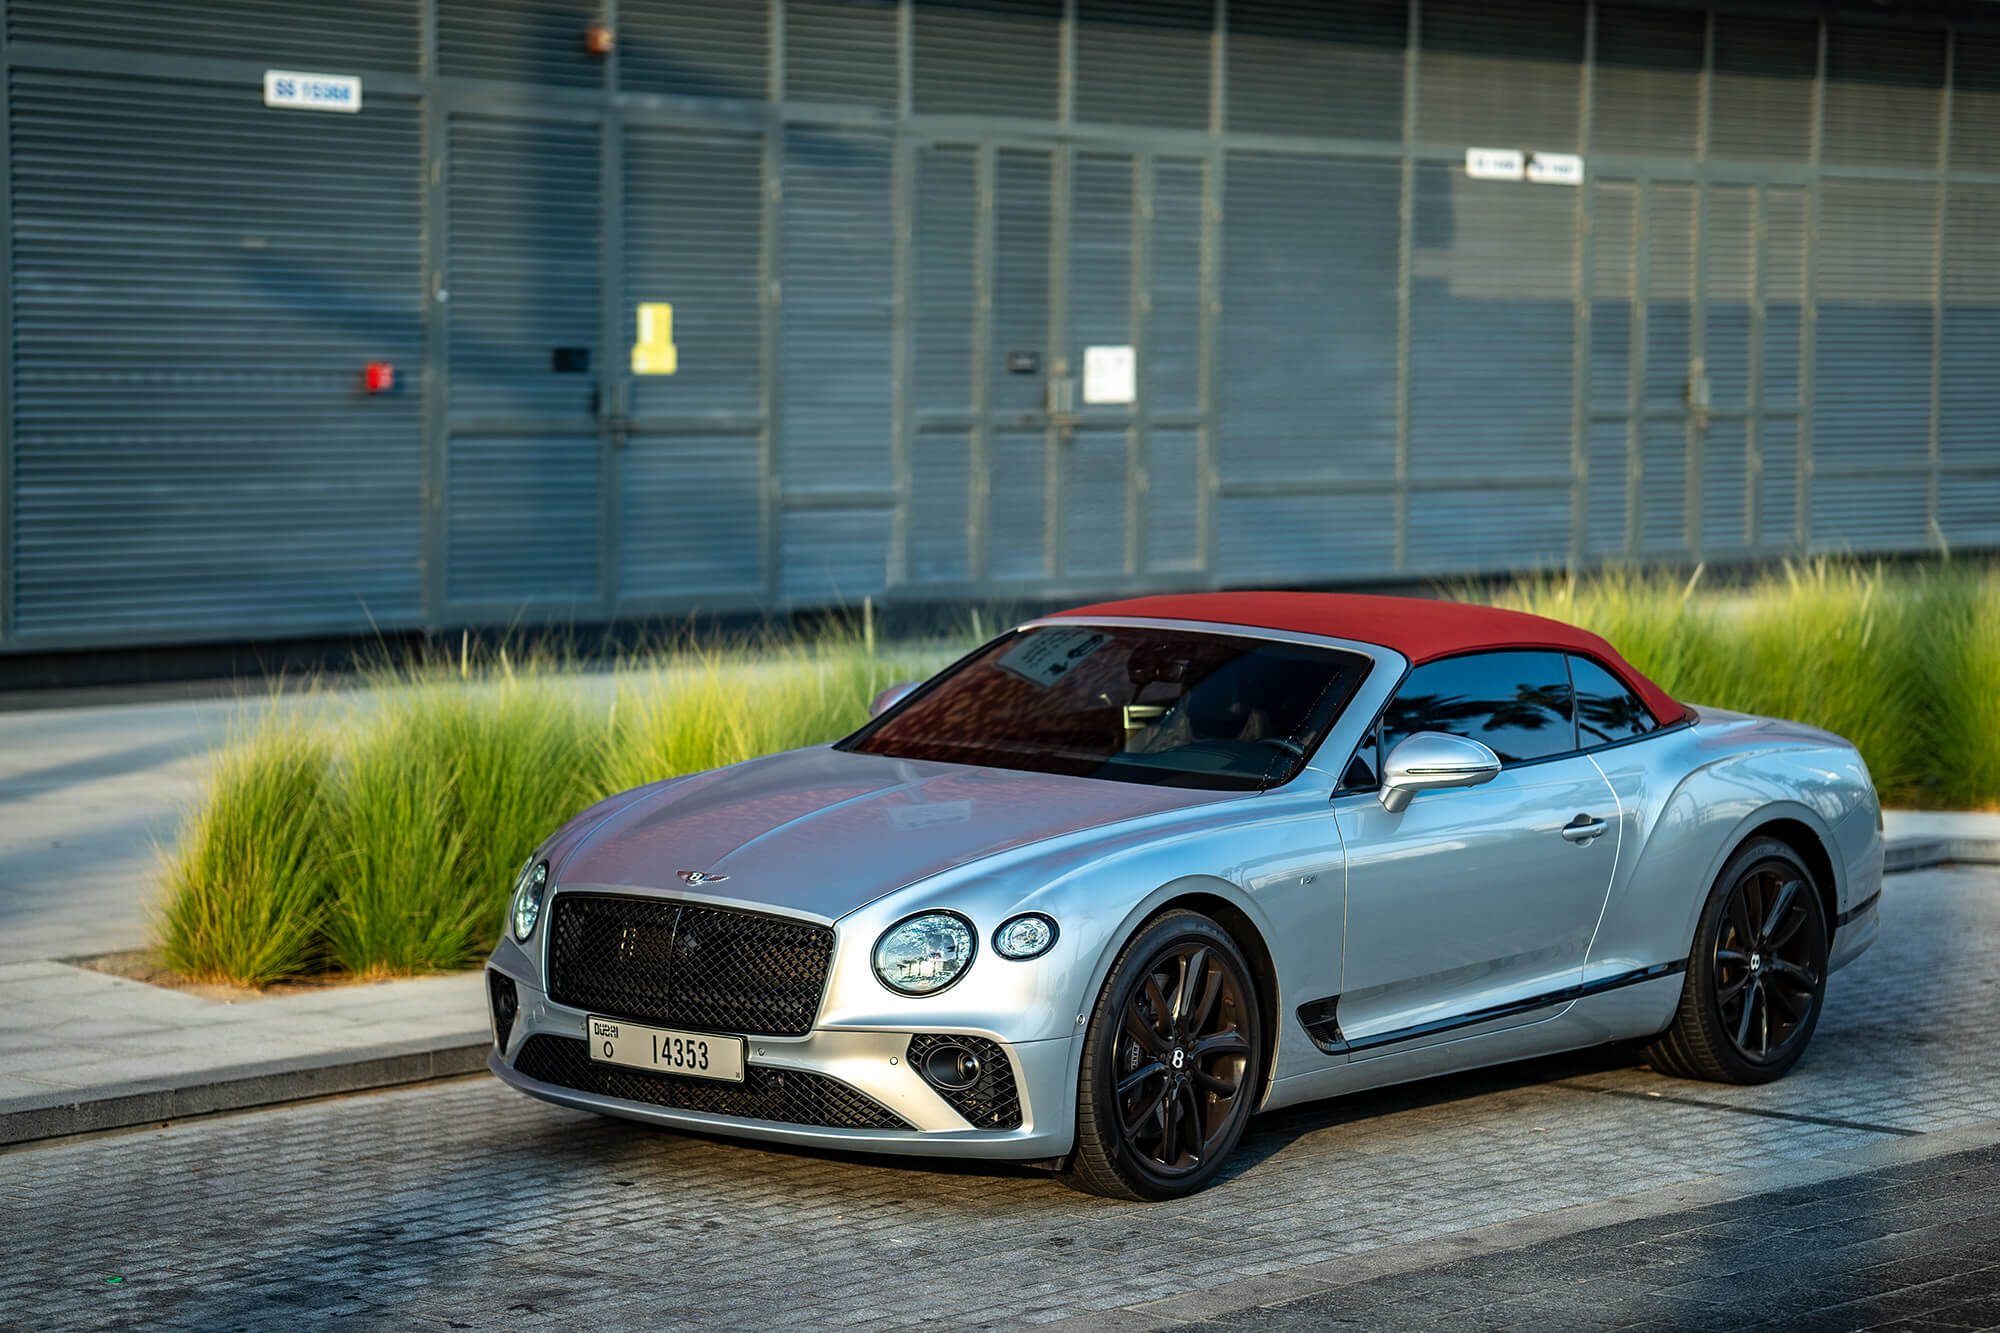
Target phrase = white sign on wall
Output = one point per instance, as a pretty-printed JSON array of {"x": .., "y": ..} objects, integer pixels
[
  {"x": 1555, "y": 169},
  {"x": 312, "y": 92},
  {"x": 1109, "y": 375},
  {"x": 1494, "y": 164}
]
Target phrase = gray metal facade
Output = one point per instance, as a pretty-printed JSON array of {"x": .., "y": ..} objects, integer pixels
[{"x": 1768, "y": 322}]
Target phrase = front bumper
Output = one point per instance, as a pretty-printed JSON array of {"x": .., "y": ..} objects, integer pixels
[{"x": 873, "y": 1063}]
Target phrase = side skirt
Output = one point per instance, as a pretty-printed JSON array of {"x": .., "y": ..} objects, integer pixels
[{"x": 1321, "y": 1020}]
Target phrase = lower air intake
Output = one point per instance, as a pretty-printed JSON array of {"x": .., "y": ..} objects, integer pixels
[
  {"x": 787, "y": 1096},
  {"x": 980, "y": 1088}
]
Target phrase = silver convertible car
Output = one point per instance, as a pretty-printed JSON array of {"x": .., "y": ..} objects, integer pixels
[{"x": 1106, "y": 886}]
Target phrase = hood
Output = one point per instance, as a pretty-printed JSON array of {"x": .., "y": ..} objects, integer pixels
[{"x": 825, "y": 831}]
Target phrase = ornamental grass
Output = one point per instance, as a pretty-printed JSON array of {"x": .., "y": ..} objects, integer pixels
[{"x": 377, "y": 831}]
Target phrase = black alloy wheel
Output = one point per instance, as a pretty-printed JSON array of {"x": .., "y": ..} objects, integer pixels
[
  {"x": 1172, "y": 1063},
  {"x": 1757, "y": 975}
]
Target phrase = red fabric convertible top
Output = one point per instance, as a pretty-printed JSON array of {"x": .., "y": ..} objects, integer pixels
[{"x": 1419, "y": 629}]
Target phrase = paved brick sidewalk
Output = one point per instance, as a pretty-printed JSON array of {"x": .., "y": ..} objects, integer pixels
[
  {"x": 1910, "y": 1247},
  {"x": 466, "y": 1203}
]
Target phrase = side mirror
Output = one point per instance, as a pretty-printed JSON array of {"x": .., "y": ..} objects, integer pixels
[
  {"x": 1434, "y": 759},
  {"x": 890, "y": 697}
]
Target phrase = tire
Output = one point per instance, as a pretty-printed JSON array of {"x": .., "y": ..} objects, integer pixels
[
  {"x": 1190, "y": 1058},
  {"x": 1756, "y": 977}
]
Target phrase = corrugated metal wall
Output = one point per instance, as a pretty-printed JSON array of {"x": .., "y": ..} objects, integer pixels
[{"x": 1768, "y": 322}]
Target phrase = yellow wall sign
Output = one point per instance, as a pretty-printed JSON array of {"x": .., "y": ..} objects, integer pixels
[{"x": 655, "y": 353}]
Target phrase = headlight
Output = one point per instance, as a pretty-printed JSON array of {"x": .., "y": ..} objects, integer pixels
[
  {"x": 1025, "y": 937},
  {"x": 528, "y": 891},
  {"x": 925, "y": 954}
]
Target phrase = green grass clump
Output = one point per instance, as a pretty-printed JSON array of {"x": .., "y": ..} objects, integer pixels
[{"x": 246, "y": 888}]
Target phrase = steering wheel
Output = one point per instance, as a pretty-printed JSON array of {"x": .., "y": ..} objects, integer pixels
[{"x": 1285, "y": 743}]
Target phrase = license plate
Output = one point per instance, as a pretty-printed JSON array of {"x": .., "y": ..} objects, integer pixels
[{"x": 666, "y": 1051}]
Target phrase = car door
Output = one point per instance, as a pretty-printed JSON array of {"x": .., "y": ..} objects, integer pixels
[{"x": 1473, "y": 908}]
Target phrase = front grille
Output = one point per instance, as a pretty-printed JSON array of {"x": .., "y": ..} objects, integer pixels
[
  {"x": 788, "y": 1096},
  {"x": 506, "y": 1004},
  {"x": 992, "y": 1102},
  {"x": 686, "y": 965}
]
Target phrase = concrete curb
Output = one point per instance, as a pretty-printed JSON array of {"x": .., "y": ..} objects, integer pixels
[
  {"x": 61, "y": 1112},
  {"x": 1923, "y": 853}
]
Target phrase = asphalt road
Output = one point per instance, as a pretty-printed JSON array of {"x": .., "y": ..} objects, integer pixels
[{"x": 465, "y": 1204}]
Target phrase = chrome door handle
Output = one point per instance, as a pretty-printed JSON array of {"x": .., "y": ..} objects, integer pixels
[{"x": 1582, "y": 829}]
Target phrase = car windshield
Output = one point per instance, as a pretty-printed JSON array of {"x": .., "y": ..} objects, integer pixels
[{"x": 1167, "y": 707}]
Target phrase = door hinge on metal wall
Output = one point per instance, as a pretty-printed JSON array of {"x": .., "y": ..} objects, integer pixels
[{"x": 1698, "y": 394}]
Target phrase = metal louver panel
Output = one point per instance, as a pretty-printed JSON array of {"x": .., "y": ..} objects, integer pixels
[
  {"x": 987, "y": 57},
  {"x": 1173, "y": 499},
  {"x": 523, "y": 262},
  {"x": 694, "y": 48},
  {"x": 1094, "y": 500},
  {"x": 1331, "y": 68},
  {"x": 1884, "y": 95},
  {"x": 1017, "y": 504},
  {"x": 1668, "y": 351},
  {"x": 1975, "y": 101},
  {"x": 1784, "y": 274},
  {"x": 1482, "y": 530},
  {"x": 1614, "y": 207},
  {"x": 1173, "y": 353},
  {"x": 1762, "y": 91},
  {"x": 691, "y": 489},
  {"x": 837, "y": 272},
  {"x": 938, "y": 513},
  {"x": 1729, "y": 259},
  {"x": 1100, "y": 314},
  {"x": 1492, "y": 323},
  {"x": 1647, "y": 87},
  {"x": 1969, "y": 408},
  {"x": 841, "y": 51},
  {"x": 313, "y": 34},
  {"x": 523, "y": 41},
  {"x": 1877, "y": 281},
  {"x": 1493, "y": 74},
  {"x": 1017, "y": 467},
  {"x": 1144, "y": 62},
  {"x": 1307, "y": 385},
  {"x": 193, "y": 456},
  {"x": 1303, "y": 538}
]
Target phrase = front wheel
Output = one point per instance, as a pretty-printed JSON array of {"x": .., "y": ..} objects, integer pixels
[
  {"x": 1172, "y": 1061},
  {"x": 1757, "y": 976}
]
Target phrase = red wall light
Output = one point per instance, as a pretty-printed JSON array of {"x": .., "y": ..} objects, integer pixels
[{"x": 378, "y": 377}]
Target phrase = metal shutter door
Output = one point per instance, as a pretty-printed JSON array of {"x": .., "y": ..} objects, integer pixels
[
  {"x": 694, "y": 48},
  {"x": 1729, "y": 250},
  {"x": 691, "y": 475},
  {"x": 1884, "y": 95},
  {"x": 1492, "y": 315},
  {"x": 1760, "y": 103},
  {"x": 939, "y": 514},
  {"x": 195, "y": 294},
  {"x": 1331, "y": 68},
  {"x": 1094, "y": 460},
  {"x": 841, "y": 51},
  {"x": 522, "y": 41},
  {"x": 523, "y": 489},
  {"x": 838, "y": 284},
  {"x": 1614, "y": 210},
  {"x": 1969, "y": 407},
  {"x": 308, "y": 34},
  {"x": 1877, "y": 279},
  {"x": 1646, "y": 92},
  {"x": 1173, "y": 365},
  {"x": 1017, "y": 474},
  {"x": 1504, "y": 75},
  {"x": 1975, "y": 102},
  {"x": 987, "y": 57},
  {"x": 1144, "y": 62}
]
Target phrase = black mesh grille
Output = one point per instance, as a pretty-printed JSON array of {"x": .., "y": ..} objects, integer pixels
[
  {"x": 506, "y": 1004},
  {"x": 655, "y": 960},
  {"x": 992, "y": 1102},
  {"x": 784, "y": 1095}
]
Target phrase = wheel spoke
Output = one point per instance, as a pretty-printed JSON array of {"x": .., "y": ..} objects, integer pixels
[
  {"x": 1793, "y": 1004},
  {"x": 1227, "y": 1042},
  {"x": 1739, "y": 916},
  {"x": 1791, "y": 973},
  {"x": 1192, "y": 968},
  {"x": 1143, "y": 1032},
  {"x": 1749, "y": 1012},
  {"x": 1764, "y": 1020},
  {"x": 1208, "y": 1082},
  {"x": 1140, "y": 1075},
  {"x": 1204, "y": 1009},
  {"x": 1786, "y": 892},
  {"x": 1147, "y": 1109},
  {"x": 1197, "y": 1122},
  {"x": 1170, "y": 1140},
  {"x": 1735, "y": 988},
  {"x": 1734, "y": 957}
]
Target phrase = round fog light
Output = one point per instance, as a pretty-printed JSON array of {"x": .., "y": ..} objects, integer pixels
[
  {"x": 1024, "y": 937},
  {"x": 953, "y": 1068}
]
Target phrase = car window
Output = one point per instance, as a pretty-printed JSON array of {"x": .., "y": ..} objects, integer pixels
[
  {"x": 1132, "y": 704},
  {"x": 1605, "y": 710},
  {"x": 1517, "y": 704}
]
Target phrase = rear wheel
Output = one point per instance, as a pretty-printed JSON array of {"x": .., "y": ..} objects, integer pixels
[
  {"x": 1757, "y": 975},
  {"x": 1172, "y": 1060}
]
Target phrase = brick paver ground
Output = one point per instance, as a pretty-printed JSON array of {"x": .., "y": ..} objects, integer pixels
[
  {"x": 468, "y": 1205},
  {"x": 1912, "y": 1247}
]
